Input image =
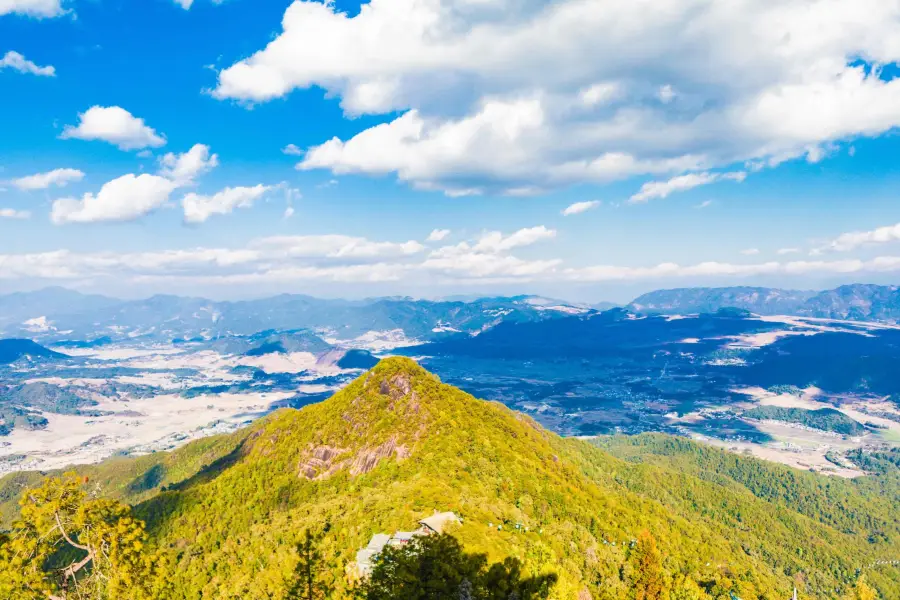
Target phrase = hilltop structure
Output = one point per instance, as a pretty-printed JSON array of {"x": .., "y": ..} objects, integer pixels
[{"x": 433, "y": 525}]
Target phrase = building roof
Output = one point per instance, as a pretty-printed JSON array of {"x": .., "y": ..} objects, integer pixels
[
  {"x": 378, "y": 542},
  {"x": 438, "y": 521}
]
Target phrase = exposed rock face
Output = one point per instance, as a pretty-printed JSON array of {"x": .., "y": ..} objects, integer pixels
[
  {"x": 319, "y": 463},
  {"x": 366, "y": 460},
  {"x": 390, "y": 395}
]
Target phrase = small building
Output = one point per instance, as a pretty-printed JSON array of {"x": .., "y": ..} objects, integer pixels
[
  {"x": 437, "y": 522},
  {"x": 366, "y": 557},
  {"x": 404, "y": 537}
]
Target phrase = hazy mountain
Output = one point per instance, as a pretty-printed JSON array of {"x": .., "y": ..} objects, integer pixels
[
  {"x": 859, "y": 302},
  {"x": 12, "y": 350},
  {"x": 165, "y": 318},
  {"x": 759, "y": 300},
  {"x": 397, "y": 445}
]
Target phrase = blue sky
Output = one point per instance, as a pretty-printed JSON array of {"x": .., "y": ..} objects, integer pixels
[{"x": 142, "y": 146}]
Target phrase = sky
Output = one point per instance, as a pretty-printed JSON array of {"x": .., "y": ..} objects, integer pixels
[{"x": 590, "y": 150}]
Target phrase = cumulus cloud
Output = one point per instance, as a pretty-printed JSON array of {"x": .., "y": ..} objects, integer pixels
[
  {"x": 292, "y": 150},
  {"x": 17, "y": 62},
  {"x": 184, "y": 168},
  {"x": 115, "y": 125},
  {"x": 854, "y": 239},
  {"x": 681, "y": 183},
  {"x": 664, "y": 100},
  {"x": 580, "y": 207},
  {"x": 132, "y": 196},
  {"x": 437, "y": 235},
  {"x": 496, "y": 241},
  {"x": 198, "y": 209},
  {"x": 122, "y": 199},
  {"x": 750, "y": 252},
  {"x": 42, "y": 181},
  {"x": 11, "y": 213},
  {"x": 784, "y": 251},
  {"x": 32, "y": 8}
]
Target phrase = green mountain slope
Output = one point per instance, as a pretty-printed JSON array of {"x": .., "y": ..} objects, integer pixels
[{"x": 397, "y": 445}]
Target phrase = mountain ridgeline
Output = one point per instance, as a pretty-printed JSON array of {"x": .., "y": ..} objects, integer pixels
[
  {"x": 61, "y": 315},
  {"x": 224, "y": 515},
  {"x": 859, "y": 302}
]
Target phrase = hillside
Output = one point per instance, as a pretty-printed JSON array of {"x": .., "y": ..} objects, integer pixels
[
  {"x": 397, "y": 445},
  {"x": 759, "y": 300},
  {"x": 12, "y": 350},
  {"x": 857, "y": 302}
]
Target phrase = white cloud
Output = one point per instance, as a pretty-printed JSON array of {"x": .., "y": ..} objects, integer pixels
[
  {"x": 115, "y": 125},
  {"x": 681, "y": 183},
  {"x": 854, "y": 239},
  {"x": 704, "y": 204},
  {"x": 185, "y": 4},
  {"x": 495, "y": 241},
  {"x": 184, "y": 168},
  {"x": 292, "y": 150},
  {"x": 750, "y": 252},
  {"x": 437, "y": 235},
  {"x": 11, "y": 213},
  {"x": 666, "y": 94},
  {"x": 717, "y": 269},
  {"x": 333, "y": 246},
  {"x": 289, "y": 212},
  {"x": 352, "y": 259},
  {"x": 600, "y": 93},
  {"x": 17, "y": 62},
  {"x": 132, "y": 196},
  {"x": 784, "y": 251},
  {"x": 580, "y": 207},
  {"x": 497, "y": 94},
  {"x": 32, "y": 8},
  {"x": 42, "y": 181},
  {"x": 198, "y": 209},
  {"x": 122, "y": 199}
]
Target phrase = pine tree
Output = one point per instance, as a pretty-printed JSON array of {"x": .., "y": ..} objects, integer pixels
[{"x": 307, "y": 574}]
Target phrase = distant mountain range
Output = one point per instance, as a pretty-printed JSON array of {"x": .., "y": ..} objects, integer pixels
[
  {"x": 858, "y": 302},
  {"x": 61, "y": 315}
]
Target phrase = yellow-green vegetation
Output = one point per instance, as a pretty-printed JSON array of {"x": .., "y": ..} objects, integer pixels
[{"x": 226, "y": 514}]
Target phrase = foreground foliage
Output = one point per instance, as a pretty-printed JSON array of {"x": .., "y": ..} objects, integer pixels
[
  {"x": 224, "y": 516},
  {"x": 69, "y": 546}
]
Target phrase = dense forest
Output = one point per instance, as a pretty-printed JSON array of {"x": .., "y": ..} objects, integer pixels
[
  {"x": 824, "y": 419},
  {"x": 279, "y": 510}
]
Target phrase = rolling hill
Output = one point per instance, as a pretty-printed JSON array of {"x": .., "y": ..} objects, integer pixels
[
  {"x": 397, "y": 444},
  {"x": 14, "y": 349}
]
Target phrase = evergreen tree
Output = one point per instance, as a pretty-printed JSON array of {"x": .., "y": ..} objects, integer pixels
[
  {"x": 308, "y": 584},
  {"x": 69, "y": 546}
]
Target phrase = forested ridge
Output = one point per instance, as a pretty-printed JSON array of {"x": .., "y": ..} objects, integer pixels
[{"x": 226, "y": 517}]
